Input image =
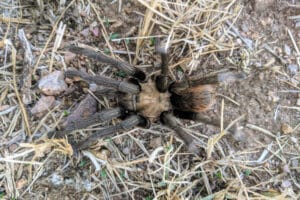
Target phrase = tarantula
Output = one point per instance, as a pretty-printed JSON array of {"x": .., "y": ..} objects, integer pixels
[{"x": 143, "y": 100}]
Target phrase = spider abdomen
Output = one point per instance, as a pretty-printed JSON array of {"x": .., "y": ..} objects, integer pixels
[{"x": 195, "y": 99}]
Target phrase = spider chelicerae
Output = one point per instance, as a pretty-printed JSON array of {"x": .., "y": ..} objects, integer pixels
[{"x": 144, "y": 100}]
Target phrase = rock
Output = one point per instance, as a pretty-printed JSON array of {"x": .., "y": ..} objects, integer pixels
[
  {"x": 96, "y": 31},
  {"x": 286, "y": 168},
  {"x": 248, "y": 42},
  {"x": 245, "y": 28},
  {"x": 273, "y": 97},
  {"x": 293, "y": 69},
  {"x": 294, "y": 140},
  {"x": 297, "y": 77},
  {"x": 286, "y": 184},
  {"x": 53, "y": 83},
  {"x": 240, "y": 134},
  {"x": 43, "y": 106},
  {"x": 88, "y": 185},
  {"x": 85, "y": 32},
  {"x": 295, "y": 164},
  {"x": 56, "y": 179},
  {"x": 21, "y": 183},
  {"x": 286, "y": 129},
  {"x": 298, "y": 102},
  {"x": 287, "y": 50}
]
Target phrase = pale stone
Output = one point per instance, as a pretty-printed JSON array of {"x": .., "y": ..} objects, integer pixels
[
  {"x": 53, "y": 83},
  {"x": 44, "y": 104}
]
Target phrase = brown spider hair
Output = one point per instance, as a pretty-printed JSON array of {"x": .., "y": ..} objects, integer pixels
[{"x": 195, "y": 99}]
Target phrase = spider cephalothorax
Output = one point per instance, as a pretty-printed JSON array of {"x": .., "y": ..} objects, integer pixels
[{"x": 143, "y": 100}]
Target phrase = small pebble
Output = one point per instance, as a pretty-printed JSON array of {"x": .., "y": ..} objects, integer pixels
[
  {"x": 21, "y": 183},
  {"x": 258, "y": 64},
  {"x": 273, "y": 97},
  {"x": 93, "y": 87},
  {"x": 240, "y": 135},
  {"x": 286, "y": 128},
  {"x": 293, "y": 69},
  {"x": 69, "y": 182},
  {"x": 245, "y": 28},
  {"x": 287, "y": 50},
  {"x": 294, "y": 140},
  {"x": 295, "y": 164},
  {"x": 126, "y": 151},
  {"x": 44, "y": 104},
  {"x": 56, "y": 179},
  {"x": 261, "y": 76},
  {"x": 96, "y": 31},
  {"x": 249, "y": 43},
  {"x": 85, "y": 32},
  {"x": 53, "y": 83},
  {"x": 297, "y": 77},
  {"x": 298, "y": 102},
  {"x": 286, "y": 184},
  {"x": 286, "y": 168},
  {"x": 88, "y": 185}
]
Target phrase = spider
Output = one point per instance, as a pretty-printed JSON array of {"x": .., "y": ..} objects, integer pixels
[{"x": 144, "y": 100}]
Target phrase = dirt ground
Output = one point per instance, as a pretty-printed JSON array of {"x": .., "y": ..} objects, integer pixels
[{"x": 258, "y": 158}]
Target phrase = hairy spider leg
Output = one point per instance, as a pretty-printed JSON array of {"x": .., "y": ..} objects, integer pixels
[
  {"x": 129, "y": 122},
  {"x": 163, "y": 80},
  {"x": 121, "y": 86},
  {"x": 197, "y": 117},
  {"x": 99, "y": 117},
  {"x": 170, "y": 120},
  {"x": 126, "y": 67}
]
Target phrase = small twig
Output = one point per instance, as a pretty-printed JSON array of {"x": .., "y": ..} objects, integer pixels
[
  {"x": 289, "y": 91},
  {"x": 280, "y": 59},
  {"x": 59, "y": 35},
  {"x": 51, "y": 35},
  {"x": 229, "y": 99},
  {"x": 295, "y": 46},
  {"x": 22, "y": 107},
  {"x": 264, "y": 154},
  {"x": 96, "y": 161},
  {"x": 291, "y": 107},
  {"x": 6, "y": 111},
  {"x": 104, "y": 32},
  {"x": 276, "y": 112},
  {"x": 254, "y": 127},
  {"x": 14, "y": 20},
  {"x": 213, "y": 141},
  {"x": 206, "y": 180},
  {"x": 234, "y": 122},
  {"x": 28, "y": 64},
  {"x": 235, "y": 30}
]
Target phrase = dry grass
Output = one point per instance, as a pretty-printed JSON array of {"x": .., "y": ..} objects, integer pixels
[{"x": 139, "y": 164}]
